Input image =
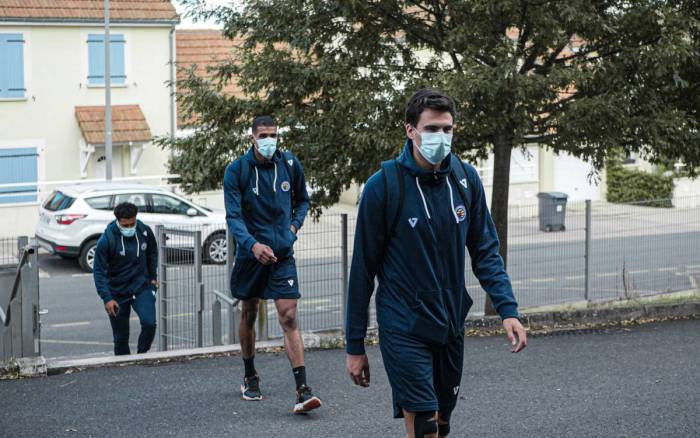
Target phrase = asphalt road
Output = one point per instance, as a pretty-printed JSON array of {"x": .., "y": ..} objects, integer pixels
[
  {"x": 548, "y": 269},
  {"x": 636, "y": 382}
]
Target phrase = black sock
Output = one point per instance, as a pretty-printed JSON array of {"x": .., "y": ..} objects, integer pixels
[
  {"x": 249, "y": 366},
  {"x": 300, "y": 376}
]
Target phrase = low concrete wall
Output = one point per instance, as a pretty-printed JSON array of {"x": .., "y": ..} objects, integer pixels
[
  {"x": 19, "y": 220},
  {"x": 687, "y": 193}
]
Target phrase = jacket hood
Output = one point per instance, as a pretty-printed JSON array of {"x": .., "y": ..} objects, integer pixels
[
  {"x": 407, "y": 161},
  {"x": 250, "y": 157}
]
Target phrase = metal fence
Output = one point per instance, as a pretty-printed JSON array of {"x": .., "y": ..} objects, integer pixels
[{"x": 607, "y": 251}]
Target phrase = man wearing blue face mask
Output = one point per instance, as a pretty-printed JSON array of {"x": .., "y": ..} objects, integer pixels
[
  {"x": 416, "y": 217},
  {"x": 126, "y": 275},
  {"x": 266, "y": 204}
]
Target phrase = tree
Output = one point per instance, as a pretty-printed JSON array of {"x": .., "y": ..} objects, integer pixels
[{"x": 580, "y": 76}]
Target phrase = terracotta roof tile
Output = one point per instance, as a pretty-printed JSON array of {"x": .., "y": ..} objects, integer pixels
[
  {"x": 88, "y": 10},
  {"x": 128, "y": 124}
]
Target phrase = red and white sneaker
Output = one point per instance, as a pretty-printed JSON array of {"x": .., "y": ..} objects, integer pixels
[{"x": 306, "y": 401}]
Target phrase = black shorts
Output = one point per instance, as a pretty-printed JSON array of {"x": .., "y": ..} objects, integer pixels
[
  {"x": 252, "y": 279},
  {"x": 423, "y": 377}
]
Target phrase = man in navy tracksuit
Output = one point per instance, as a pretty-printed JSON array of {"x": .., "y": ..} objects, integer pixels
[
  {"x": 126, "y": 275},
  {"x": 415, "y": 218},
  {"x": 266, "y": 204}
]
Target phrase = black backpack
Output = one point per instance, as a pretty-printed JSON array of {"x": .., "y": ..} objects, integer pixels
[
  {"x": 247, "y": 168},
  {"x": 394, "y": 200}
]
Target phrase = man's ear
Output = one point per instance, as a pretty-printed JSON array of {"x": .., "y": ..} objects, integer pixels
[
  {"x": 412, "y": 133},
  {"x": 252, "y": 139}
]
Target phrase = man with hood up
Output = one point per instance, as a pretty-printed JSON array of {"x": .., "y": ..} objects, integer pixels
[
  {"x": 416, "y": 216},
  {"x": 126, "y": 275},
  {"x": 266, "y": 204}
]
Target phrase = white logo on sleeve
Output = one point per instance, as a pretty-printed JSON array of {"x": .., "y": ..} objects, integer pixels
[
  {"x": 413, "y": 221},
  {"x": 145, "y": 233},
  {"x": 455, "y": 389},
  {"x": 463, "y": 181},
  {"x": 291, "y": 282}
]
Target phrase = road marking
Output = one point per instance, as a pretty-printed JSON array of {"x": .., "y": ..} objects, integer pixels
[
  {"x": 575, "y": 277},
  {"x": 70, "y": 324},
  {"x": 543, "y": 280},
  {"x": 44, "y": 274},
  {"x": 61, "y": 341},
  {"x": 692, "y": 266},
  {"x": 641, "y": 271},
  {"x": 607, "y": 274},
  {"x": 666, "y": 269},
  {"x": 81, "y": 275}
]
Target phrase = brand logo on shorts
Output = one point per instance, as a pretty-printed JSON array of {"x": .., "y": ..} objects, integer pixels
[
  {"x": 455, "y": 389},
  {"x": 413, "y": 221},
  {"x": 291, "y": 282},
  {"x": 463, "y": 181},
  {"x": 461, "y": 212},
  {"x": 285, "y": 186}
]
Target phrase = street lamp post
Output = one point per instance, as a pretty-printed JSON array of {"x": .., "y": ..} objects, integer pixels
[{"x": 108, "y": 98}]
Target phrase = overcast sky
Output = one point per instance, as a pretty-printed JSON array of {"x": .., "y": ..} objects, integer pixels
[{"x": 187, "y": 23}]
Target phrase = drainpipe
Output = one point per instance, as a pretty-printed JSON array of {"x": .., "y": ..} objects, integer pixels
[{"x": 173, "y": 114}]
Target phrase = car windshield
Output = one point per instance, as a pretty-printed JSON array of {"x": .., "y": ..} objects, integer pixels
[{"x": 58, "y": 201}]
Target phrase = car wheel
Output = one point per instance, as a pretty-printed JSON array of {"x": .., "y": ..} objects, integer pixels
[
  {"x": 215, "y": 249},
  {"x": 87, "y": 256}
]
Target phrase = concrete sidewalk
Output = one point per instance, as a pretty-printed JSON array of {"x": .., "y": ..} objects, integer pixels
[{"x": 637, "y": 382}]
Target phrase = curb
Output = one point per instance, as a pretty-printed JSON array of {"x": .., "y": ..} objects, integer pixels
[{"x": 536, "y": 323}]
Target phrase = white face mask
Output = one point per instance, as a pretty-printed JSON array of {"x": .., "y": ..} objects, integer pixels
[
  {"x": 267, "y": 147},
  {"x": 435, "y": 146}
]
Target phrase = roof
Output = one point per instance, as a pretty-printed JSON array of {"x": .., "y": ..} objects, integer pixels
[
  {"x": 128, "y": 124},
  {"x": 125, "y": 11},
  {"x": 203, "y": 48}
]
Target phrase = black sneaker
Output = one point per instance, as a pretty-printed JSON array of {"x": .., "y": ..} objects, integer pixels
[
  {"x": 250, "y": 389},
  {"x": 306, "y": 401}
]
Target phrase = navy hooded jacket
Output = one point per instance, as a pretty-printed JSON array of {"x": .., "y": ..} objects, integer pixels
[
  {"x": 421, "y": 290},
  {"x": 124, "y": 266},
  {"x": 262, "y": 209}
]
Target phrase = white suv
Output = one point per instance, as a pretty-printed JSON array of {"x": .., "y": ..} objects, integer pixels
[{"x": 73, "y": 218}]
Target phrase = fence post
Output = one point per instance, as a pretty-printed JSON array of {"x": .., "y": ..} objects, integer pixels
[
  {"x": 163, "y": 292},
  {"x": 199, "y": 286},
  {"x": 263, "y": 335},
  {"x": 344, "y": 264},
  {"x": 587, "y": 286},
  {"x": 234, "y": 319},
  {"x": 216, "y": 322},
  {"x": 29, "y": 297}
]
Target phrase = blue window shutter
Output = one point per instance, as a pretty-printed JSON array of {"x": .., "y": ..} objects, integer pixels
[
  {"x": 11, "y": 65},
  {"x": 117, "y": 59},
  {"x": 18, "y": 165},
  {"x": 96, "y": 59}
]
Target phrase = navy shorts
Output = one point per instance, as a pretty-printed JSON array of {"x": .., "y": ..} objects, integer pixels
[
  {"x": 252, "y": 279},
  {"x": 423, "y": 377}
]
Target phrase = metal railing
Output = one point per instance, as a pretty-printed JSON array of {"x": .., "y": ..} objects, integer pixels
[{"x": 19, "y": 300}]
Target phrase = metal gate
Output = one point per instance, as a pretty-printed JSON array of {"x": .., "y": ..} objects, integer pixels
[{"x": 19, "y": 299}]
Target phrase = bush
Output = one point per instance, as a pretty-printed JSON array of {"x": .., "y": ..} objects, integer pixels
[{"x": 632, "y": 186}]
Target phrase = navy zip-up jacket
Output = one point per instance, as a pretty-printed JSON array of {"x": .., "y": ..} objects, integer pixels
[
  {"x": 421, "y": 290},
  {"x": 265, "y": 211},
  {"x": 127, "y": 265}
]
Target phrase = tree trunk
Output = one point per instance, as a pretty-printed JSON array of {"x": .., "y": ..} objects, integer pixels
[{"x": 502, "y": 147}]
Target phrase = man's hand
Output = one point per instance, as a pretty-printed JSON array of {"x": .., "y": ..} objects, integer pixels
[
  {"x": 358, "y": 369},
  {"x": 112, "y": 308},
  {"x": 155, "y": 283},
  {"x": 516, "y": 334},
  {"x": 264, "y": 254},
  {"x": 294, "y": 229}
]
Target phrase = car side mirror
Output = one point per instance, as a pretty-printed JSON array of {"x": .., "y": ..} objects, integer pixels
[{"x": 192, "y": 212}]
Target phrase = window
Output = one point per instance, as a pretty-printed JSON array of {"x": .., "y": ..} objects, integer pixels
[
  {"x": 163, "y": 204},
  {"x": 100, "y": 202},
  {"x": 96, "y": 59},
  {"x": 18, "y": 165},
  {"x": 58, "y": 201},
  {"x": 11, "y": 65},
  {"x": 138, "y": 199}
]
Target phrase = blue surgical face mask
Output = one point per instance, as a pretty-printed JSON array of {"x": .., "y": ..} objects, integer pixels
[
  {"x": 127, "y": 232},
  {"x": 435, "y": 146},
  {"x": 267, "y": 147}
]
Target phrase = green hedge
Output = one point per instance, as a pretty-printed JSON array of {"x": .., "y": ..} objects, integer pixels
[{"x": 632, "y": 186}]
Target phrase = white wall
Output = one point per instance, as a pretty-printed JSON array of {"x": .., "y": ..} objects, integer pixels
[{"x": 55, "y": 66}]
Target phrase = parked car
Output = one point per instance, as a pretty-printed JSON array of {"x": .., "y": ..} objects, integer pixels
[{"x": 73, "y": 218}]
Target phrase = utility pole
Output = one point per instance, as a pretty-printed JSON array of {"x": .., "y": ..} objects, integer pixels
[{"x": 108, "y": 98}]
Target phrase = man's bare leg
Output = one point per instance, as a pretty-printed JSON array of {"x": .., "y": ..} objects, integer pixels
[
  {"x": 287, "y": 316},
  {"x": 246, "y": 329},
  {"x": 410, "y": 418}
]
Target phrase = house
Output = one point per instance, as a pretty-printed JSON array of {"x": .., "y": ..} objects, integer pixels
[{"x": 52, "y": 97}]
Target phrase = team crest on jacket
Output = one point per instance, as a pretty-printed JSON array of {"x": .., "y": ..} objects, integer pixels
[
  {"x": 144, "y": 246},
  {"x": 461, "y": 212},
  {"x": 285, "y": 186}
]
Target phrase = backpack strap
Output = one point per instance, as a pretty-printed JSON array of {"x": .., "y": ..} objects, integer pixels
[
  {"x": 393, "y": 199},
  {"x": 110, "y": 242},
  {"x": 289, "y": 159},
  {"x": 243, "y": 176},
  {"x": 458, "y": 173}
]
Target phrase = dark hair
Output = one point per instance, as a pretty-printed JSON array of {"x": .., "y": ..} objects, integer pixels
[
  {"x": 426, "y": 98},
  {"x": 125, "y": 210},
  {"x": 262, "y": 121}
]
